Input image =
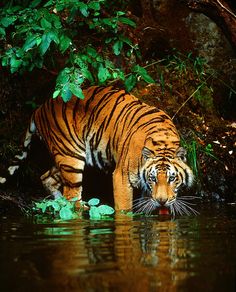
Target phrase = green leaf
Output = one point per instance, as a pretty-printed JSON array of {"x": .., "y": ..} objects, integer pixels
[
  {"x": 55, "y": 206},
  {"x": 93, "y": 202},
  {"x": 42, "y": 206},
  {"x": 95, "y": 5},
  {"x": 56, "y": 93},
  {"x": 64, "y": 43},
  {"x": 76, "y": 90},
  {"x": 87, "y": 74},
  {"x": 130, "y": 82},
  {"x": 103, "y": 74},
  {"x": 128, "y": 21},
  {"x": 117, "y": 47},
  {"x": 15, "y": 64},
  {"x": 66, "y": 213},
  {"x": 35, "y": 3},
  {"x": 91, "y": 51},
  {"x": 126, "y": 40},
  {"x": 5, "y": 61},
  {"x": 83, "y": 8},
  {"x": 64, "y": 76},
  {"x": 143, "y": 73},
  {"x": 147, "y": 78},
  {"x": 45, "y": 24},
  {"x": 45, "y": 43},
  {"x": 106, "y": 210},
  {"x": 119, "y": 13},
  {"x": 66, "y": 93},
  {"x": 30, "y": 42},
  {"x": 2, "y": 32},
  {"x": 94, "y": 213},
  {"x": 7, "y": 21}
]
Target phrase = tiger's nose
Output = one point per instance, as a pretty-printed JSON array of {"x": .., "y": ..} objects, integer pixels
[{"x": 162, "y": 201}]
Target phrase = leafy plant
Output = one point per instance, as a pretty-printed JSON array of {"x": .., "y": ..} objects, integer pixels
[
  {"x": 194, "y": 149},
  {"x": 58, "y": 208},
  {"x": 97, "y": 211},
  {"x": 61, "y": 208},
  {"x": 192, "y": 155},
  {"x": 82, "y": 41}
]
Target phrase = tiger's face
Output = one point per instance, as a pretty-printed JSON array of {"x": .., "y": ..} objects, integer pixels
[{"x": 161, "y": 179}]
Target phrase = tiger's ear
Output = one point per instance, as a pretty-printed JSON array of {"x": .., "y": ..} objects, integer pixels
[
  {"x": 181, "y": 154},
  {"x": 147, "y": 153}
]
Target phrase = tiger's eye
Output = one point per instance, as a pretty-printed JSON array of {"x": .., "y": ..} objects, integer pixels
[
  {"x": 171, "y": 178},
  {"x": 153, "y": 178}
]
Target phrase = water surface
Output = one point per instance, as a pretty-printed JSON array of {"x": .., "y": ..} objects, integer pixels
[{"x": 195, "y": 253}]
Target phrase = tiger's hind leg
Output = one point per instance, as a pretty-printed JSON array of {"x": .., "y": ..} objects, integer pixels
[{"x": 52, "y": 182}]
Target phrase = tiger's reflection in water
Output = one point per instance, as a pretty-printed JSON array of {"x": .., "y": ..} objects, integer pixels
[{"x": 141, "y": 255}]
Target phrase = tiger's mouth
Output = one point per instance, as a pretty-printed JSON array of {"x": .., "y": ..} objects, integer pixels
[{"x": 179, "y": 206}]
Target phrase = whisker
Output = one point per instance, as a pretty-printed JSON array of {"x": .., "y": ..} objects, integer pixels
[
  {"x": 189, "y": 197},
  {"x": 187, "y": 205},
  {"x": 145, "y": 205},
  {"x": 147, "y": 209},
  {"x": 140, "y": 204},
  {"x": 139, "y": 201},
  {"x": 172, "y": 210},
  {"x": 184, "y": 207}
]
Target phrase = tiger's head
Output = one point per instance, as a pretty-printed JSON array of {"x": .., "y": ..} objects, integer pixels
[{"x": 161, "y": 178}]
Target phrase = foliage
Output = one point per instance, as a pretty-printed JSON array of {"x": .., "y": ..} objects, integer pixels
[
  {"x": 61, "y": 208},
  {"x": 58, "y": 208},
  {"x": 90, "y": 41},
  {"x": 183, "y": 73},
  {"x": 194, "y": 148}
]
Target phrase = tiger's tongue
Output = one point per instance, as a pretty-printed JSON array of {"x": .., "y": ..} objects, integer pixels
[{"x": 164, "y": 211}]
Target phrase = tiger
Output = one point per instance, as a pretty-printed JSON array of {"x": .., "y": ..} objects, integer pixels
[{"x": 112, "y": 128}]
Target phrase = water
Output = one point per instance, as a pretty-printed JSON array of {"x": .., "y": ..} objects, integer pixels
[{"x": 147, "y": 254}]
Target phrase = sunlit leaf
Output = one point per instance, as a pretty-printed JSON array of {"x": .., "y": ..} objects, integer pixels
[
  {"x": 66, "y": 213},
  {"x": 66, "y": 93},
  {"x": 106, "y": 210},
  {"x": 56, "y": 93},
  {"x": 103, "y": 74},
  {"x": 94, "y": 213},
  {"x": 76, "y": 90},
  {"x": 93, "y": 202}
]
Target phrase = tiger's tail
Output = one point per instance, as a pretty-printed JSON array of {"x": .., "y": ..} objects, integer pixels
[{"x": 24, "y": 152}]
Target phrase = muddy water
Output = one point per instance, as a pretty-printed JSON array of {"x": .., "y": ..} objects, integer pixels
[{"x": 146, "y": 254}]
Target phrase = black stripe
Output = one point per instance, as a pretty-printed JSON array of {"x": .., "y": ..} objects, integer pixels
[
  {"x": 69, "y": 168},
  {"x": 119, "y": 99},
  {"x": 92, "y": 97},
  {"x": 99, "y": 134},
  {"x": 73, "y": 185}
]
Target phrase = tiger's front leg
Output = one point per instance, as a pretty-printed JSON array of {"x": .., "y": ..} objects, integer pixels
[
  {"x": 122, "y": 190},
  {"x": 71, "y": 170}
]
